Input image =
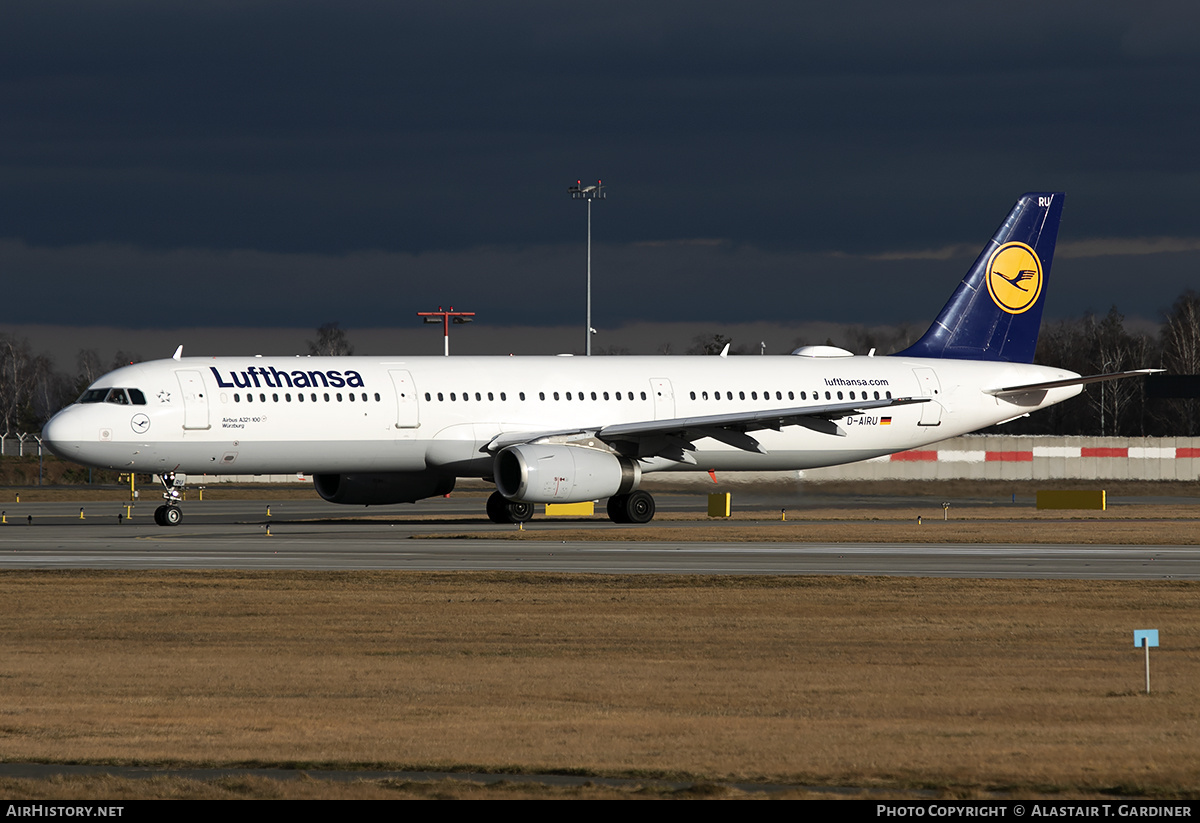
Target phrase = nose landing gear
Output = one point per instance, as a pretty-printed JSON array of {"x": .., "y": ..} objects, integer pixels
[{"x": 169, "y": 514}]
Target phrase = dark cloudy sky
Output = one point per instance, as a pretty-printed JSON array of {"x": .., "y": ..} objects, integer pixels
[{"x": 283, "y": 164}]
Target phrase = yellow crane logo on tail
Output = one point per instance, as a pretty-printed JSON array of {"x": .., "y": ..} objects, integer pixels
[{"x": 1014, "y": 277}]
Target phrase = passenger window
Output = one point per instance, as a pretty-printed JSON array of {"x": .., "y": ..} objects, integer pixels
[
  {"x": 326, "y": 397},
  {"x": 237, "y": 398}
]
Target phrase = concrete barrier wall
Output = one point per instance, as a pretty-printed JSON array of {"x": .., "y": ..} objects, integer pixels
[{"x": 1005, "y": 457}]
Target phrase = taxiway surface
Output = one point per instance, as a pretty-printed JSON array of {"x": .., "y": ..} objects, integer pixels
[{"x": 314, "y": 535}]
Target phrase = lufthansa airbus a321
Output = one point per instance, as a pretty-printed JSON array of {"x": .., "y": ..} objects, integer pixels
[{"x": 381, "y": 430}]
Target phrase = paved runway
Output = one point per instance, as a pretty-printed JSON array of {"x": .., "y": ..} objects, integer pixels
[{"x": 304, "y": 535}]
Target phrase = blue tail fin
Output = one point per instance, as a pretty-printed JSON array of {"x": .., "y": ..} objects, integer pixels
[{"x": 996, "y": 311}]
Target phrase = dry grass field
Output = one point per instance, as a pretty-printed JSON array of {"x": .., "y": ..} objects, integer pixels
[{"x": 960, "y": 686}]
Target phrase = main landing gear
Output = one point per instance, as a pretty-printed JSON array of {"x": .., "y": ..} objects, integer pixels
[
  {"x": 635, "y": 507},
  {"x": 502, "y": 510},
  {"x": 169, "y": 514}
]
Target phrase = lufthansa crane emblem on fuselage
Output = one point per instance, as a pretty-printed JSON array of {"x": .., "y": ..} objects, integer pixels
[
  {"x": 140, "y": 424},
  {"x": 1014, "y": 277}
]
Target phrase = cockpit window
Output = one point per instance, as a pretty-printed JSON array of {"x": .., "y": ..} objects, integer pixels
[
  {"x": 93, "y": 396},
  {"x": 120, "y": 397}
]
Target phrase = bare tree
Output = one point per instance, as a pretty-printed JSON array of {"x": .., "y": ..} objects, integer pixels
[
  {"x": 16, "y": 380},
  {"x": 1112, "y": 349},
  {"x": 331, "y": 340},
  {"x": 710, "y": 344},
  {"x": 88, "y": 364},
  {"x": 1181, "y": 355}
]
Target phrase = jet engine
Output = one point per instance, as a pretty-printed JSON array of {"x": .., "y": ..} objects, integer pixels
[
  {"x": 563, "y": 474},
  {"x": 381, "y": 488}
]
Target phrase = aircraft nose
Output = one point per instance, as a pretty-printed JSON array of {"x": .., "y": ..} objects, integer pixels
[{"x": 62, "y": 434}]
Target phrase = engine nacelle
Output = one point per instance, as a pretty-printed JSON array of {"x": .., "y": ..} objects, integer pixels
[
  {"x": 563, "y": 474},
  {"x": 381, "y": 488}
]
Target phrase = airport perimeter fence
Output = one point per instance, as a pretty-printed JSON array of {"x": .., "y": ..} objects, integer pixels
[{"x": 20, "y": 444}]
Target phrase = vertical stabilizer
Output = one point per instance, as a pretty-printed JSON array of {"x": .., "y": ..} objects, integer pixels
[{"x": 996, "y": 311}]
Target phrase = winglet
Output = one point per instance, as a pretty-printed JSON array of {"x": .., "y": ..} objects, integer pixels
[{"x": 178, "y": 353}]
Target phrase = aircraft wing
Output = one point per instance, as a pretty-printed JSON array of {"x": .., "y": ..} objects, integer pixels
[
  {"x": 1009, "y": 391},
  {"x": 671, "y": 437}
]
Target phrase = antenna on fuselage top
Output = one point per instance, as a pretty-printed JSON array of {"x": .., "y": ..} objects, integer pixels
[{"x": 178, "y": 353}]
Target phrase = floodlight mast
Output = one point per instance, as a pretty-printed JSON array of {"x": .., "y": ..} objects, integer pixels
[
  {"x": 588, "y": 193},
  {"x": 458, "y": 317}
]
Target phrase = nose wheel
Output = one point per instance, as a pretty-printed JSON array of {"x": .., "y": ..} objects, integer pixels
[{"x": 168, "y": 515}]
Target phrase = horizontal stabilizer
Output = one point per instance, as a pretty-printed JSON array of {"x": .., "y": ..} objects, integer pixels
[{"x": 1072, "y": 381}]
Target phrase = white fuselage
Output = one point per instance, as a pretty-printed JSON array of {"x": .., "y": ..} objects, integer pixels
[{"x": 258, "y": 415}]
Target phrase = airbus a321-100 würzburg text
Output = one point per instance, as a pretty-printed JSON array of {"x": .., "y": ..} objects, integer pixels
[{"x": 380, "y": 430}]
